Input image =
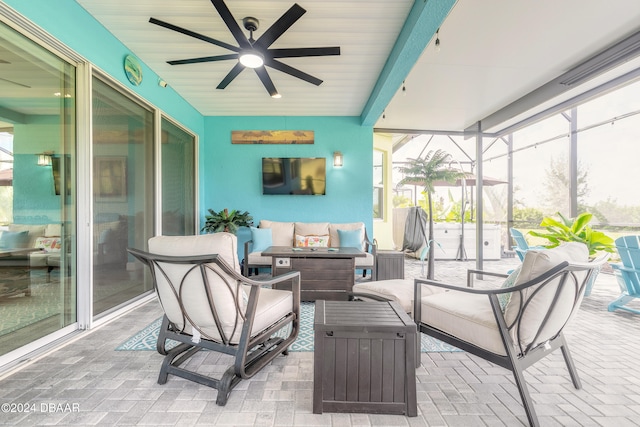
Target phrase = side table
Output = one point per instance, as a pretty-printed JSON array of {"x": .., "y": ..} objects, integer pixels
[
  {"x": 364, "y": 358},
  {"x": 389, "y": 265}
]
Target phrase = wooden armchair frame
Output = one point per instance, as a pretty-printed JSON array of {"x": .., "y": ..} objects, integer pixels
[{"x": 251, "y": 351}]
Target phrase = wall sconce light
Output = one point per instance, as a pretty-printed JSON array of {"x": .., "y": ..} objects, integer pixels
[
  {"x": 44, "y": 159},
  {"x": 338, "y": 160}
]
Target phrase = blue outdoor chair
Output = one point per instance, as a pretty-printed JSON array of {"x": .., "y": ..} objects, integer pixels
[
  {"x": 627, "y": 273},
  {"x": 522, "y": 246}
]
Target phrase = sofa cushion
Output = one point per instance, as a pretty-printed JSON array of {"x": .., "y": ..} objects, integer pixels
[
  {"x": 14, "y": 239},
  {"x": 350, "y": 238},
  {"x": 34, "y": 230},
  {"x": 53, "y": 230},
  {"x": 365, "y": 261},
  {"x": 335, "y": 238},
  {"x": 256, "y": 258},
  {"x": 262, "y": 239},
  {"x": 311, "y": 228},
  {"x": 49, "y": 244},
  {"x": 282, "y": 232}
]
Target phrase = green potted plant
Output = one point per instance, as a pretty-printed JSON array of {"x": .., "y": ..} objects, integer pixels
[
  {"x": 224, "y": 220},
  {"x": 574, "y": 230}
]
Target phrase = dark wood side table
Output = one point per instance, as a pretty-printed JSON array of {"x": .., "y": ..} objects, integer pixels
[
  {"x": 389, "y": 265},
  {"x": 364, "y": 358}
]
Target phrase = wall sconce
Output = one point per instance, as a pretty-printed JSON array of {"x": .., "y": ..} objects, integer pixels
[
  {"x": 44, "y": 159},
  {"x": 337, "y": 159}
]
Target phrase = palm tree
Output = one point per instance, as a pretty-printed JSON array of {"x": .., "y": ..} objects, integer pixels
[{"x": 425, "y": 172}]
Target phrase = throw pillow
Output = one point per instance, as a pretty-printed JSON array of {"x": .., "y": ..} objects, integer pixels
[
  {"x": 312, "y": 241},
  {"x": 350, "y": 238},
  {"x": 13, "y": 239},
  {"x": 262, "y": 238},
  {"x": 48, "y": 244},
  {"x": 509, "y": 282}
]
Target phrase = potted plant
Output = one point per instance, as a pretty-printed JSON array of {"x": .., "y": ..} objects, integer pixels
[
  {"x": 224, "y": 220},
  {"x": 574, "y": 230}
]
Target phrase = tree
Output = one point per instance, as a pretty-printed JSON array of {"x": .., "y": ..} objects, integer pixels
[
  {"x": 425, "y": 172},
  {"x": 557, "y": 182}
]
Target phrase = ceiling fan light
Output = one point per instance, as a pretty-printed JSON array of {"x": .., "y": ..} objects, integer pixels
[
  {"x": 276, "y": 96},
  {"x": 251, "y": 59}
]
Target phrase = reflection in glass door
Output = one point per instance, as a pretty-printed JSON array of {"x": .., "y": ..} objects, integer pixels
[
  {"x": 178, "y": 181},
  {"x": 122, "y": 194},
  {"x": 37, "y": 192}
]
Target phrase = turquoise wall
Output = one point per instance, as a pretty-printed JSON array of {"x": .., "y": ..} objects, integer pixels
[
  {"x": 232, "y": 175},
  {"x": 38, "y": 135}
]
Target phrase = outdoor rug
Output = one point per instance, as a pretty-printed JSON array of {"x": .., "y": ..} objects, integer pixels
[
  {"x": 20, "y": 311},
  {"x": 146, "y": 338}
]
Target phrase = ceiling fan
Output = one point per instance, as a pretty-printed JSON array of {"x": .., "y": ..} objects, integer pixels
[{"x": 252, "y": 53}]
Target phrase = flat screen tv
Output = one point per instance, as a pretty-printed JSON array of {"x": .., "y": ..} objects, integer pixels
[{"x": 294, "y": 175}]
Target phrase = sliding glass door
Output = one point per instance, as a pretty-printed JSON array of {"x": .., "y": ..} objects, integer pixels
[
  {"x": 37, "y": 191},
  {"x": 178, "y": 148},
  {"x": 123, "y": 194}
]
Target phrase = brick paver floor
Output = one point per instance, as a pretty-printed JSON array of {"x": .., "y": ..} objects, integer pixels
[{"x": 88, "y": 383}]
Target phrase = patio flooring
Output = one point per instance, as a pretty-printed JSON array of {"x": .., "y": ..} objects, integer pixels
[{"x": 88, "y": 383}]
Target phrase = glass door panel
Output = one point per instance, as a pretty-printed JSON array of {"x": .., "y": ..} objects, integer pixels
[
  {"x": 37, "y": 192},
  {"x": 122, "y": 194},
  {"x": 178, "y": 180}
]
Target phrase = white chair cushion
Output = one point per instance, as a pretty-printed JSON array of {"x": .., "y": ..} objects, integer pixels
[
  {"x": 194, "y": 297},
  {"x": 534, "y": 264},
  {"x": 282, "y": 232},
  {"x": 273, "y": 305},
  {"x": 466, "y": 316},
  {"x": 38, "y": 259},
  {"x": 398, "y": 290}
]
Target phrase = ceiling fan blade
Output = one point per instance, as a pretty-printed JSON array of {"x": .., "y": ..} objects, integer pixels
[
  {"x": 280, "y": 26},
  {"x": 277, "y": 65},
  {"x": 266, "y": 80},
  {"x": 203, "y": 59},
  {"x": 230, "y": 76},
  {"x": 304, "y": 51},
  {"x": 15, "y": 83},
  {"x": 194, "y": 34},
  {"x": 231, "y": 23}
]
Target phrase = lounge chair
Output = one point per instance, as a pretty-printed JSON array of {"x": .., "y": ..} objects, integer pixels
[{"x": 208, "y": 304}]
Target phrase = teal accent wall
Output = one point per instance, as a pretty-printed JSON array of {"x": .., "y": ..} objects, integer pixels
[
  {"x": 41, "y": 205},
  {"x": 232, "y": 174}
]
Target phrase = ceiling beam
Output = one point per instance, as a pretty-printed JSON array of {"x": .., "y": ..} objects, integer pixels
[
  {"x": 615, "y": 55},
  {"x": 424, "y": 19},
  {"x": 12, "y": 116}
]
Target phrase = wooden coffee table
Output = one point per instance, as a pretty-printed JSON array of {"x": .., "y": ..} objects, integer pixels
[{"x": 325, "y": 273}]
